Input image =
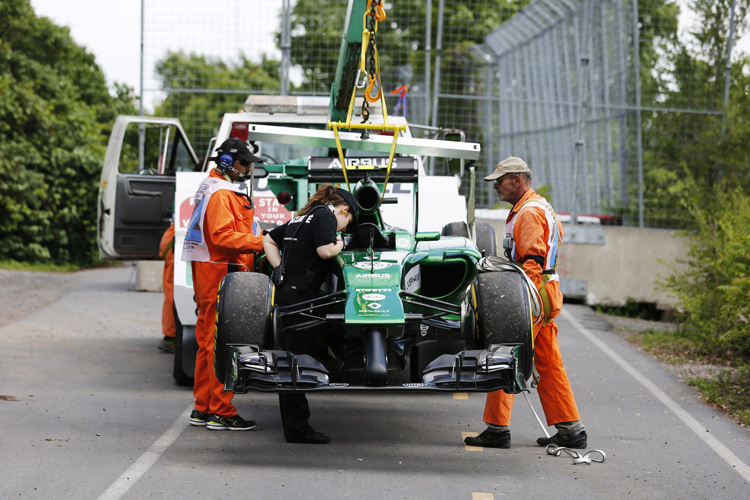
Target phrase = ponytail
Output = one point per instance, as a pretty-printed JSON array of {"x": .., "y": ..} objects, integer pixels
[{"x": 326, "y": 194}]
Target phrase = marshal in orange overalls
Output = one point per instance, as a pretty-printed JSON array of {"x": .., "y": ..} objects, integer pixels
[
  {"x": 166, "y": 252},
  {"x": 228, "y": 230},
  {"x": 531, "y": 235}
]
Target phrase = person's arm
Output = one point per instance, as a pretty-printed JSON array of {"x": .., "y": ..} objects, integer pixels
[
  {"x": 531, "y": 242},
  {"x": 330, "y": 250},
  {"x": 273, "y": 254},
  {"x": 220, "y": 221}
]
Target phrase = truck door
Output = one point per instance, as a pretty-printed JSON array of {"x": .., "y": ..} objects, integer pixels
[{"x": 137, "y": 187}]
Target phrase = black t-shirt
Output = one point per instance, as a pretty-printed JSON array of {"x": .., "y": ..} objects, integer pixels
[{"x": 318, "y": 229}]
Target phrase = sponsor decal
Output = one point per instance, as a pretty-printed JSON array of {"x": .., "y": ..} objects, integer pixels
[
  {"x": 423, "y": 329},
  {"x": 368, "y": 275},
  {"x": 413, "y": 279},
  {"x": 402, "y": 242},
  {"x": 371, "y": 265},
  {"x": 374, "y": 305},
  {"x": 373, "y": 296},
  {"x": 413, "y": 384}
]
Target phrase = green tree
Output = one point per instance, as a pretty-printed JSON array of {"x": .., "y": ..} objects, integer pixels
[
  {"x": 713, "y": 287},
  {"x": 712, "y": 146},
  {"x": 55, "y": 117},
  {"x": 223, "y": 87},
  {"x": 400, "y": 38}
]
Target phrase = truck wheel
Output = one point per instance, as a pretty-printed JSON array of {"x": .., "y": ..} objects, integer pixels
[
  {"x": 505, "y": 314},
  {"x": 243, "y": 315},
  {"x": 178, "y": 372},
  {"x": 486, "y": 239}
]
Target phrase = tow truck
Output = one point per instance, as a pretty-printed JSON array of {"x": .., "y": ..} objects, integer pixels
[{"x": 407, "y": 307}]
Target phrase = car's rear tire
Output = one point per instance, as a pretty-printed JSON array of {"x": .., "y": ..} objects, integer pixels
[
  {"x": 456, "y": 229},
  {"x": 243, "y": 315},
  {"x": 486, "y": 238},
  {"x": 505, "y": 314},
  {"x": 178, "y": 372}
]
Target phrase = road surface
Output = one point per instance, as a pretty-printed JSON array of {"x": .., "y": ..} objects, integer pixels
[{"x": 89, "y": 410}]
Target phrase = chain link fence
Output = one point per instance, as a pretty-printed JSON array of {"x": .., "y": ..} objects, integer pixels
[{"x": 589, "y": 92}]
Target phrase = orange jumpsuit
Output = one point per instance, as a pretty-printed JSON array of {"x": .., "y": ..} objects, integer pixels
[
  {"x": 531, "y": 234},
  {"x": 166, "y": 252},
  {"x": 228, "y": 230}
]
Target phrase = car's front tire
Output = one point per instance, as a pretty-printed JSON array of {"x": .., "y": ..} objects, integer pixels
[
  {"x": 243, "y": 315},
  {"x": 505, "y": 314}
]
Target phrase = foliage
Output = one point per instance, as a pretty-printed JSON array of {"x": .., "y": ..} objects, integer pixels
[
  {"x": 201, "y": 89},
  {"x": 13, "y": 265},
  {"x": 400, "y": 40},
  {"x": 55, "y": 117},
  {"x": 728, "y": 391},
  {"x": 633, "y": 309},
  {"x": 714, "y": 289},
  {"x": 714, "y": 147}
]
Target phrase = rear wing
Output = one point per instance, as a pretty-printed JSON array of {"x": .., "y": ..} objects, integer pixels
[
  {"x": 354, "y": 140},
  {"x": 405, "y": 169}
]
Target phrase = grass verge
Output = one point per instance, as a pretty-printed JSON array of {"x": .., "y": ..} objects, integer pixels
[
  {"x": 723, "y": 378},
  {"x": 12, "y": 265}
]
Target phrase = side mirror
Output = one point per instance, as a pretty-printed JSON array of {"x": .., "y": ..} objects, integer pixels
[{"x": 428, "y": 236}]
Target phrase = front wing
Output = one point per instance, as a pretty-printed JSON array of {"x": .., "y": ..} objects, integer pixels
[{"x": 281, "y": 371}]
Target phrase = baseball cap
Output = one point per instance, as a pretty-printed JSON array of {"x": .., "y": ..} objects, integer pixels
[
  {"x": 238, "y": 150},
  {"x": 510, "y": 165},
  {"x": 349, "y": 200}
]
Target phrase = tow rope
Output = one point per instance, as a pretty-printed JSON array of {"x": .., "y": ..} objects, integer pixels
[{"x": 586, "y": 458}]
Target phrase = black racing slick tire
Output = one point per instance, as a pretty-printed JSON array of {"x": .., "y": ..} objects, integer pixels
[
  {"x": 486, "y": 239},
  {"x": 504, "y": 317},
  {"x": 243, "y": 315},
  {"x": 456, "y": 229}
]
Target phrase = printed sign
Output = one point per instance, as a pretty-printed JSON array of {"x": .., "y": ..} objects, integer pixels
[{"x": 413, "y": 280}]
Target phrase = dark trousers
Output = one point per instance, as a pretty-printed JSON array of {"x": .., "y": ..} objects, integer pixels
[{"x": 295, "y": 411}]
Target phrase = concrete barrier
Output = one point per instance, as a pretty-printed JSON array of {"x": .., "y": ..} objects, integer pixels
[
  {"x": 148, "y": 275},
  {"x": 608, "y": 265}
]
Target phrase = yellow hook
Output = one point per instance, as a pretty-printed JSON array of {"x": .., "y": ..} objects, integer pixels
[
  {"x": 368, "y": 90},
  {"x": 379, "y": 10}
]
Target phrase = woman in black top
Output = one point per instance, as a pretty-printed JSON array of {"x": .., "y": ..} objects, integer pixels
[{"x": 307, "y": 243}]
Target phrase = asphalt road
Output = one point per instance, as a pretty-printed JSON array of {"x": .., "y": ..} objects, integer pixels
[{"x": 88, "y": 409}]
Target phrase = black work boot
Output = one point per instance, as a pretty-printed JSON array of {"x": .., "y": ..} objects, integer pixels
[
  {"x": 574, "y": 440},
  {"x": 490, "y": 438}
]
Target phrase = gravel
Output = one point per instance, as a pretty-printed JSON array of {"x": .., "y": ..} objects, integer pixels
[{"x": 22, "y": 292}]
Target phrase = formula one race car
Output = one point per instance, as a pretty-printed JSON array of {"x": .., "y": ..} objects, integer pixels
[{"x": 403, "y": 310}]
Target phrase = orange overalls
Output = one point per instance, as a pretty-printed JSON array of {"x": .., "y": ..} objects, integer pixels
[
  {"x": 531, "y": 235},
  {"x": 228, "y": 230},
  {"x": 166, "y": 252}
]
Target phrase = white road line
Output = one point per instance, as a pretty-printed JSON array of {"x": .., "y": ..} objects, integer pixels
[
  {"x": 149, "y": 457},
  {"x": 725, "y": 453}
]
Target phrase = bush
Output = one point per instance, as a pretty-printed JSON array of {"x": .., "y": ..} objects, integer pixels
[{"x": 714, "y": 290}]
